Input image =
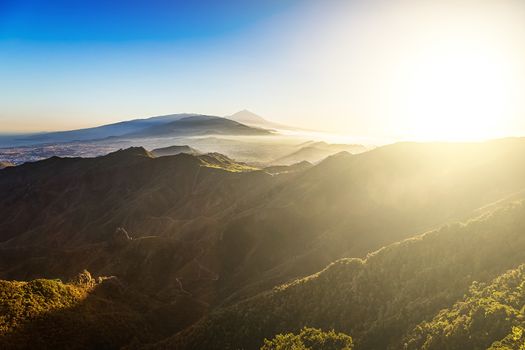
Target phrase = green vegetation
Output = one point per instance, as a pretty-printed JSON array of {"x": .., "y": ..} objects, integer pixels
[
  {"x": 513, "y": 341},
  {"x": 487, "y": 313},
  {"x": 23, "y": 301},
  {"x": 83, "y": 314},
  {"x": 309, "y": 339}
]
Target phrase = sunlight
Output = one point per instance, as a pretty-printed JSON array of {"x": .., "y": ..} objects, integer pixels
[{"x": 454, "y": 92}]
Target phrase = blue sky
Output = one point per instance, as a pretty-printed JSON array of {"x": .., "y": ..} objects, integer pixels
[
  {"x": 388, "y": 69},
  {"x": 78, "y": 63},
  {"x": 129, "y": 20}
]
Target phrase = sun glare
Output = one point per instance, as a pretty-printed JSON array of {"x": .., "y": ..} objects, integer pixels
[{"x": 457, "y": 94}]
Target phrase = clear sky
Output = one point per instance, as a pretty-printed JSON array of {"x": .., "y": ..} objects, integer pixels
[{"x": 392, "y": 69}]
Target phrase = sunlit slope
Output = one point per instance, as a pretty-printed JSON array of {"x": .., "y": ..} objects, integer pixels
[
  {"x": 378, "y": 300},
  {"x": 86, "y": 313}
]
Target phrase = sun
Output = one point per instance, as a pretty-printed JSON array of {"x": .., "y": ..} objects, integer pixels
[{"x": 457, "y": 92}]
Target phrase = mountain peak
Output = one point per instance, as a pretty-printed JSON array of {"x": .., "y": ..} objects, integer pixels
[{"x": 245, "y": 116}]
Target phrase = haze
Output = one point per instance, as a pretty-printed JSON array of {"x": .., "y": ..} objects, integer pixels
[{"x": 389, "y": 70}]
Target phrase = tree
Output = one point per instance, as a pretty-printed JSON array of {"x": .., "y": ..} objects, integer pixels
[{"x": 309, "y": 339}]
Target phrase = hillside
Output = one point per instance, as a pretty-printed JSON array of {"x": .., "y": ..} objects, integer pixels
[{"x": 380, "y": 299}]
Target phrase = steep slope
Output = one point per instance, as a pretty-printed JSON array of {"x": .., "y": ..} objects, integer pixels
[
  {"x": 198, "y": 126},
  {"x": 381, "y": 298}
]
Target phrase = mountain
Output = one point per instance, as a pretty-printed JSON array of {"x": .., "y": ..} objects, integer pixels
[
  {"x": 95, "y": 133},
  {"x": 252, "y": 119},
  {"x": 247, "y": 117},
  {"x": 313, "y": 152},
  {"x": 197, "y": 126},
  {"x": 191, "y": 237},
  {"x": 173, "y": 150}
]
